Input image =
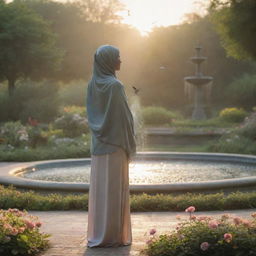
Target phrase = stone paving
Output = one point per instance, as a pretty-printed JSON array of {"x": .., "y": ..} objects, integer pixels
[{"x": 68, "y": 230}]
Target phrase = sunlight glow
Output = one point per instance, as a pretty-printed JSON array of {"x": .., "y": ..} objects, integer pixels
[{"x": 146, "y": 14}]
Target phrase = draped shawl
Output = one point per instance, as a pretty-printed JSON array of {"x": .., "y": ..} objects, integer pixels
[{"x": 109, "y": 116}]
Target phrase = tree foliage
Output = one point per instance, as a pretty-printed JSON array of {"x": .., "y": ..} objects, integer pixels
[
  {"x": 27, "y": 45},
  {"x": 236, "y": 24}
]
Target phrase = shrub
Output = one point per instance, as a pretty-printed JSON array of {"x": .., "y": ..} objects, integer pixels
[
  {"x": 34, "y": 99},
  {"x": 12, "y": 198},
  {"x": 242, "y": 91},
  {"x": 73, "y": 125},
  {"x": 19, "y": 234},
  {"x": 233, "y": 114},
  {"x": 14, "y": 134},
  {"x": 242, "y": 139},
  {"x": 204, "y": 235},
  {"x": 158, "y": 116},
  {"x": 73, "y": 93},
  {"x": 60, "y": 149}
]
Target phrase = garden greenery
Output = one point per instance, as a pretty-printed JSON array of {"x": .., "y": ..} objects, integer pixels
[
  {"x": 233, "y": 114},
  {"x": 12, "y": 198},
  {"x": 158, "y": 116},
  {"x": 20, "y": 235},
  {"x": 239, "y": 140}
]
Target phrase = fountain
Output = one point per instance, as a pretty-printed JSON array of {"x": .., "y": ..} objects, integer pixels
[{"x": 199, "y": 84}]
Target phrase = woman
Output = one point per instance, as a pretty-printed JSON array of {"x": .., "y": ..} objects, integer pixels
[{"x": 111, "y": 124}]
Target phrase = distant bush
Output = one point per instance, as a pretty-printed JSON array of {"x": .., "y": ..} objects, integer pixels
[
  {"x": 14, "y": 134},
  {"x": 241, "y": 139},
  {"x": 31, "y": 99},
  {"x": 233, "y": 114},
  {"x": 73, "y": 93},
  {"x": 73, "y": 125},
  {"x": 242, "y": 91},
  {"x": 158, "y": 116},
  {"x": 59, "y": 148}
]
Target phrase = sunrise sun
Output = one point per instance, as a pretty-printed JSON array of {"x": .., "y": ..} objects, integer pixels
[{"x": 146, "y": 14}]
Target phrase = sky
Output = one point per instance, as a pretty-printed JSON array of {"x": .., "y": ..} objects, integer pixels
[{"x": 145, "y": 14}]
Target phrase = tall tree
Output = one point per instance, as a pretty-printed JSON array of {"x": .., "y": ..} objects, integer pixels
[
  {"x": 27, "y": 44},
  {"x": 236, "y": 24},
  {"x": 81, "y": 27}
]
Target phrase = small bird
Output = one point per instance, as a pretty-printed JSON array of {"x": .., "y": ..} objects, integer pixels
[{"x": 136, "y": 90}]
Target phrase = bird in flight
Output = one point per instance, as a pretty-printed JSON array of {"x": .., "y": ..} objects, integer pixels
[{"x": 136, "y": 90}]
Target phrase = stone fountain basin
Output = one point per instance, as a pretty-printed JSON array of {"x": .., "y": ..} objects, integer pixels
[
  {"x": 198, "y": 80},
  {"x": 9, "y": 176}
]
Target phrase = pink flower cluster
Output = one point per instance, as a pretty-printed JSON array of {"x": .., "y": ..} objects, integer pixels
[
  {"x": 204, "y": 246},
  {"x": 213, "y": 224},
  {"x": 15, "y": 222},
  {"x": 228, "y": 237},
  {"x": 190, "y": 209}
]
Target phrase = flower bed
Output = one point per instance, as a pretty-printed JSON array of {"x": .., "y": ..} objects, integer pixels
[
  {"x": 19, "y": 234},
  {"x": 204, "y": 235}
]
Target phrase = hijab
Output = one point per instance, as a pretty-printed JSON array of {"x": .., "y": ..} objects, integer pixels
[{"x": 109, "y": 115}]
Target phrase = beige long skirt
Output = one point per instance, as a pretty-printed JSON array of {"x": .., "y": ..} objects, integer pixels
[{"x": 109, "y": 220}]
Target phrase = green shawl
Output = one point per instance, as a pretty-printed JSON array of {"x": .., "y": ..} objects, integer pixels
[{"x": 109, "y": 116}]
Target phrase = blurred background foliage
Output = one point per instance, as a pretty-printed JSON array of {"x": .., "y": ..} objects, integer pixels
[{"x": 156, "y": 63}]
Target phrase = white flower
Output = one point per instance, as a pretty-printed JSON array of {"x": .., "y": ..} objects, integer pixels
[{"x": 24, "y": 136}]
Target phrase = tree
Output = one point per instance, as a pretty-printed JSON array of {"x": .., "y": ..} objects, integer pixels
[
  {"x": 27, "y": 44},
  {"x": 104, "y": 11},
  {"x": 81, "y": 27},
  {"x": 236, "y": 24}
]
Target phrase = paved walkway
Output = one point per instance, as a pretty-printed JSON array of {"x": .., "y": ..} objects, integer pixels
[{"x": 68, "y": 229}]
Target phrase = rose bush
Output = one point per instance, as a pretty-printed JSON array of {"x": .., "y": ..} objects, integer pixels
[
  {"x": 19, "y": 234},
  {"x": 204, "y": 235}
]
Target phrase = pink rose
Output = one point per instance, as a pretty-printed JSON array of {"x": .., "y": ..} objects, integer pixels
[
  {"x": 190, "y": 209},
  {"x": 228, "y": 237},
  {"x": 8, "y": 227},
  {"x": 152, "y": 231},
  {"x": 237, "y": 220},
  {"x": 225, "y": 216},
  {"x": 204, "y": 246},
  {"x": 213, "y": 224},
  {"x": 246, "y": 223},
  {"x": 21, "y": 229},
  {"x": 253, "y": 215},
  {"x": 14, "y": 232},
  {"x": 29, "y": 224},
  {"x": 193, "y": 217}
]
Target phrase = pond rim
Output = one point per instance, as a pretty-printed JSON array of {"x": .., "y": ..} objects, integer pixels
[{"x": 8, "y": 176}]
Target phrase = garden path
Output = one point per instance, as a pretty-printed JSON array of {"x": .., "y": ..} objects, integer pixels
[{"x": 68, "y": 229}]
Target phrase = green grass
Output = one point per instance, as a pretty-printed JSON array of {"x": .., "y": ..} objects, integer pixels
[{"x": 12, "y": 198}]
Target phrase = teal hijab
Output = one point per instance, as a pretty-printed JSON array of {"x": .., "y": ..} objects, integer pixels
[{"x": 109, "y": 116}]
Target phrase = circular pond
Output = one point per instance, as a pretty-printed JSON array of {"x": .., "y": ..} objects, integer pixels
[
  {"x": 149, "y": 172},
  {"x": 146, "y": 172}
]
